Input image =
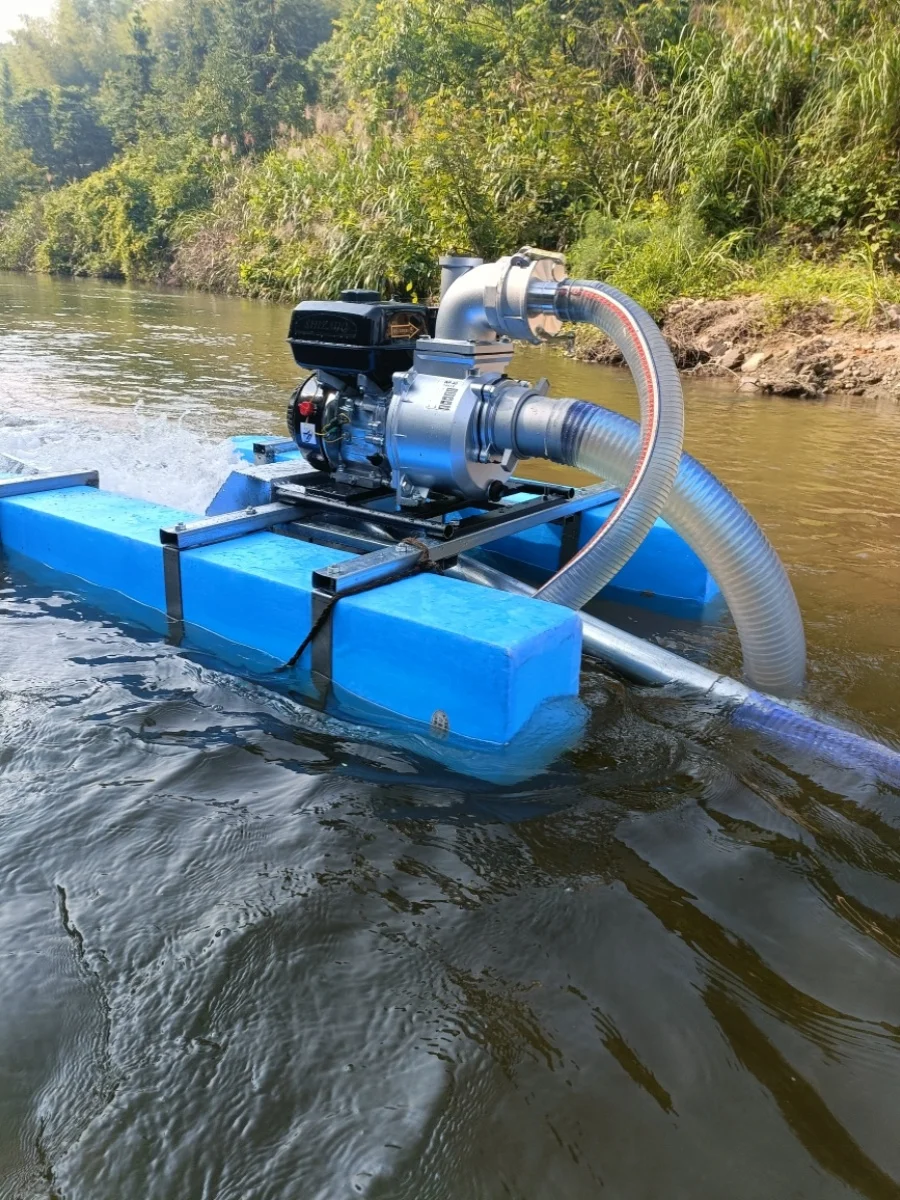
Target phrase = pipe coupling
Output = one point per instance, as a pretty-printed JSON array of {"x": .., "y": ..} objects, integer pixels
[
  {"x": 495, "y": 300},
  {"x": 506, "y": 298}
]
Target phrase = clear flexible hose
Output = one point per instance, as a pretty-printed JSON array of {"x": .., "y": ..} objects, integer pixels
[
  {"x": 657, "y": 453},
  {"x": 705, "y": 513}
]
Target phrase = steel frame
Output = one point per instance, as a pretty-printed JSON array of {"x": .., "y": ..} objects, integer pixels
[
  {"x": 308, "y": 511},
  {"x": 311, "y": 511},
  {"x": 207, "y": 531}
]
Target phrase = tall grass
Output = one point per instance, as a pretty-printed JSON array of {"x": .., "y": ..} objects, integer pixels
[
  {"x": 656, "y": 256},
  {"x": 784, "y": 116},
  {"x": 855, "y": 288}
]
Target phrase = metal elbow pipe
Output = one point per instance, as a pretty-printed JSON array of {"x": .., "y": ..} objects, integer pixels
[
  {"x": 453, "y": 267},
  {"x": 462, "y": 316},
  {"x": 499, "y": 299},
  {"x": 526, "y": 296}
]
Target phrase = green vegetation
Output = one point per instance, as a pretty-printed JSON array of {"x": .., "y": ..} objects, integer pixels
[{"x": 278, "y": 147}]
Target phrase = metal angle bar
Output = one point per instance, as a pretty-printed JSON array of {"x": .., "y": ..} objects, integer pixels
[
  {"x": 540, "y": 487},
  {"x": 518, "y": 518},
  {"x": 209, "y": 530},
  {"x": 297, "y": 494},
  {"x": 569, "y": 539},
  {"x": 379, "y": 565},
  {"x": 501, "y": 513},
  {"x": 322, "y": 644},
  {"x": 48, "y": 483},
  {"x": 393, "y": 560},
  {"x": 264, "y": 452}
]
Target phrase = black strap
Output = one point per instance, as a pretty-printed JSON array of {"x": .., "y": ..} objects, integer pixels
[
  {"x": 421, "y": 562},
  {"x": 174, "y": 601}
]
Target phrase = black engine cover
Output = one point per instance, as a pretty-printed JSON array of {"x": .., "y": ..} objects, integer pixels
[{"x": 360, "y": 334}]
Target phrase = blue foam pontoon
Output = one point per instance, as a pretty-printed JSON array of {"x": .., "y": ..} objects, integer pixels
[
  {"x": 465, "y": 671},
  {"x": 439, "y": 653}
]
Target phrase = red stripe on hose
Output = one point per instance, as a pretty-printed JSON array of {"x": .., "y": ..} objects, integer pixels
[{"x": 649, "y": 434}]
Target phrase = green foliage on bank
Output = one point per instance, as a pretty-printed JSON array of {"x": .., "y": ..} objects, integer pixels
[{"x": 279, "y": 147}]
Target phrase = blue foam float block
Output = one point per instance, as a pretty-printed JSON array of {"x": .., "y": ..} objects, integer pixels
[
  {"x": 108, "y": 540},
  {"x": 664, "y": 574},
  {"x": 427, "y": 644},
  {"x": 253, "y": 485}
]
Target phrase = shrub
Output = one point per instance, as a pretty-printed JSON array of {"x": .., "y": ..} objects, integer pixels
[
  {"x": 120, "y": 222},
  {"x": 21, "y": 232},
  {"x": 655, "y": 255}
]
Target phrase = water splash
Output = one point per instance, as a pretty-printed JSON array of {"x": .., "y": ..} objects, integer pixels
[{"x": 150, "y": 457}]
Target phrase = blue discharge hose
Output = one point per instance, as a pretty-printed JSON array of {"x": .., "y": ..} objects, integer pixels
[
  {"x": 644, "y": 663},
  {"x": 839, "y": 747}
]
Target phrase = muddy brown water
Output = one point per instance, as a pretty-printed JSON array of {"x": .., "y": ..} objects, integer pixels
[{"x": 247, "y": 953}]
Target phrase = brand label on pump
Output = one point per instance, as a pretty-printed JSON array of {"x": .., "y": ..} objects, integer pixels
[
  {"x": 307, "y": 433},
  {"x": 448, "y": 396}
]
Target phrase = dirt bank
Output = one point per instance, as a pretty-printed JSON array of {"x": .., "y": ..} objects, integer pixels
[{"x": 807, "y": 356}]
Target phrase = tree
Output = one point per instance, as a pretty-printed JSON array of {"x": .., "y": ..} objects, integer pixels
[
  {"x": 124, "y": 94},
  {"x": 18, "y": 173},
  {"x": 81, "y": 144},
  {"x": 30, "y": 115}
]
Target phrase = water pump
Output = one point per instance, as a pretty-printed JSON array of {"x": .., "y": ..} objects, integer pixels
[
  {"x": 411, "y": 411},
  {"x": 391, "y": 403}
]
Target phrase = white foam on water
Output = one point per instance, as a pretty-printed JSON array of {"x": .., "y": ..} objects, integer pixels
[{"x": 150, "y": 457}]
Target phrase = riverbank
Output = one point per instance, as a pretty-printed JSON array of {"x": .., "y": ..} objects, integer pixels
[{"x": 807, "y": 355}]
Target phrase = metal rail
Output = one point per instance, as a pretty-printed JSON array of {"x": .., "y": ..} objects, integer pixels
[
  {"x": 48, "y": 483},
  {"x": 298, "y": 493},
  {"x": 207, "y": 531}
]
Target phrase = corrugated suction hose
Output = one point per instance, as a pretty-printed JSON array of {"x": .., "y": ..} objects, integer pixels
[{"x": 705, "y": 513}]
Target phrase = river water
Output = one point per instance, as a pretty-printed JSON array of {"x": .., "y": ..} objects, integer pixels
[{"x": 246, "y": 953}]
